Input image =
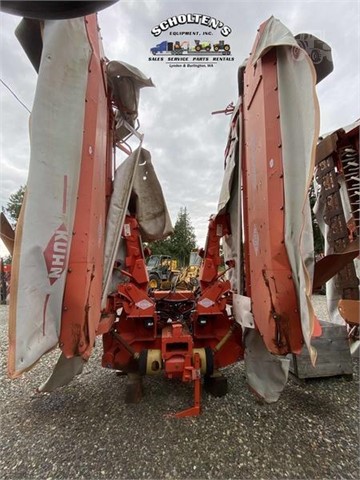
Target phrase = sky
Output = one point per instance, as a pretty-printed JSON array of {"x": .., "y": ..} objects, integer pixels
[{"x": 186, "y": 142}]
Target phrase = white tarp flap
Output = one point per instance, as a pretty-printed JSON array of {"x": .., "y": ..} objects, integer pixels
[
  {"x": 231, "y": 161},
  {"x": 151, "y": 210},
  {"x": 135, "y": 178},
  {"x": 242, "y": 311},
  {"x": 266, "y": 373},
  {"x": 65, "y": 370},
  {"x": 275, "y": 34},
  {"x": 126, "y": 81},
  {"x": 230, "y": 199},
  {"x": 122, "y": 186},
  {"x": 43, "y": 233},
  {"x": 299, "y": 120}
]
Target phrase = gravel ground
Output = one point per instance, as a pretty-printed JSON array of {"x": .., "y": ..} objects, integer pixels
[{"x": 85, "y": 430}]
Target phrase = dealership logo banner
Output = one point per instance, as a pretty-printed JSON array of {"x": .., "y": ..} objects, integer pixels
[{"x": 192, "y": 40}]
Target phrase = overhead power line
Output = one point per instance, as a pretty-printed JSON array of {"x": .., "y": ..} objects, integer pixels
[{"x": 14, "y": 94}]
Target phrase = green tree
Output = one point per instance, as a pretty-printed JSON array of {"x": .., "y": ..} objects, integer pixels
[
  {"x": 181, "y": 242},
  {"x": 184, "y": 239},
  {"x": 160, "y": 247},
  {"x": 14, "y": 204}
]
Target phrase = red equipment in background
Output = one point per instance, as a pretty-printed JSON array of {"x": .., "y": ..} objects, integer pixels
[{"x": 5, "y": 274}]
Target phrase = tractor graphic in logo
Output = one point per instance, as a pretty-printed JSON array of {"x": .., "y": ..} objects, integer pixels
[{"x": 203, "y": 47}]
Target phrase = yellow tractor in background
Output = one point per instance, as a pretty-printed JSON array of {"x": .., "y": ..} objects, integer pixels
[
  {"x": 162, "y": 270},
  {"x": 188, "y": 278}
]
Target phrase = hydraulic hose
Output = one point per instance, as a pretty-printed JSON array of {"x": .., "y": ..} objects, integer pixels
[{"x": 225, "y": 338}]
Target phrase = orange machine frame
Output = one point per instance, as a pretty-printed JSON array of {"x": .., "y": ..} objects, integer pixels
[
  {"x": 81, "y": 305},
  {"x": 269, "y": 280}
]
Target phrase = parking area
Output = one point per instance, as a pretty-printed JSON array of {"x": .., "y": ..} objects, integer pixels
[{"x": 85, "y": 430}]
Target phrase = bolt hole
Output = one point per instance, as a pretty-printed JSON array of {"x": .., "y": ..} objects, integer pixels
[{"x": 155, "y": 366}]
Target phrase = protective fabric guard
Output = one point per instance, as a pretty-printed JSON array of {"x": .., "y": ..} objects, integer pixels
[
  {"x": 242, "y": 311},
  {"x": 230, "y": 199},
  {"x": 299, "y": 116},
  {"x": 150, "y": 207},
  {"x": 64, "y": 371},
  {"x": 266, "y": 373},
  {"x": 135, "y": 179},
  {"x": 122, "y": 186},
  {"x": 299, "y": 120},
  {"x": 42, "y": 240}
]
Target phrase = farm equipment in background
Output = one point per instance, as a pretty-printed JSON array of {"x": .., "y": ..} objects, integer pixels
[
  {"x": 221, "y": 45},
  {"x": 162, "y": 270},
  {"x": 337, "y": 212},
  {"x": 199, "y": 46},
  {"x": 7, "y": 235},
  {"x": 262, "y": 314},
  {"x": 5, "y": 276},
  {"x": 189, "y": 276}
]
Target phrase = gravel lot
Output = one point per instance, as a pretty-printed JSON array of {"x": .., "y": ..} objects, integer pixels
[{"x": 86, "y": 431}]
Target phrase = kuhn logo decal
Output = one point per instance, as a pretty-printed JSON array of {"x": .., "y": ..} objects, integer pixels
[{"x": 56, "y": 253}]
